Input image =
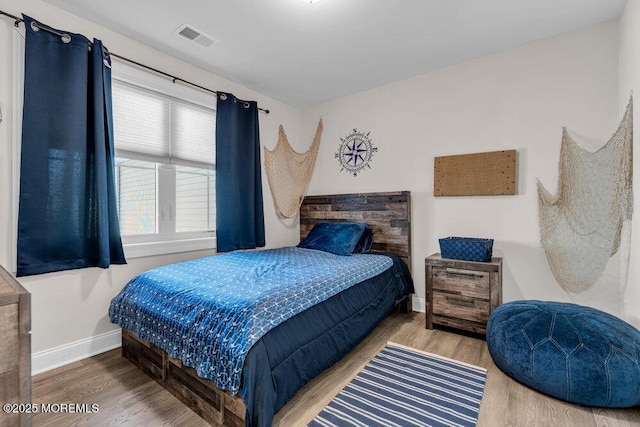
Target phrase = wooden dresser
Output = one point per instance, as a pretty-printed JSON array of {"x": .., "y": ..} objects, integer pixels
[
  {"x": 462, "y": 294},
  {"x": 15, "y": 349}
]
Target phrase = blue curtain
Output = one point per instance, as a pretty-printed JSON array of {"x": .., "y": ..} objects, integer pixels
[
  {"x": 68, "y": 214},
  {"x": 239, "y": 211}
]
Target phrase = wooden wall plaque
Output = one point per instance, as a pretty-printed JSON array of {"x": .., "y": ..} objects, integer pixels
[{"x": 479, "y": 174}]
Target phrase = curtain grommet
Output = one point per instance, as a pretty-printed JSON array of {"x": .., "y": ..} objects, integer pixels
[
  {"x": 66, "y": 38},
  {"x": 34, "y": 26},
  {"x": 223, "y": 96}
]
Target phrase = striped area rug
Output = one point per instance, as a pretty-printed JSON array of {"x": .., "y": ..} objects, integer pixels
[{"x": 402, "y": 386}]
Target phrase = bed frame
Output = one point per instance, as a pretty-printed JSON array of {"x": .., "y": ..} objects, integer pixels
[{"x": 388, "y": 214}]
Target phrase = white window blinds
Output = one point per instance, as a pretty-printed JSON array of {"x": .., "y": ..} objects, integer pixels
[
  {"x": 141, "y": 121},
  {"x": 193, "y": 132},
  {"x": 150, "y": 125}
]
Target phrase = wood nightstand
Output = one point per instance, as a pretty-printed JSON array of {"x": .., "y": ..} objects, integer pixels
[
  {"x": 15, "y": 350},
  {"x": 462, "y": 294}
]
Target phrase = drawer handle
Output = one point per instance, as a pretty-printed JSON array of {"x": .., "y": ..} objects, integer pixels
[
  {"x": 463, "y": 273},
  {"x": 461, "y": 302}
]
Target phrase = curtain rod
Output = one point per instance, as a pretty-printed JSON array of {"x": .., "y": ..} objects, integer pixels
[{"x": 155, "y": 70}]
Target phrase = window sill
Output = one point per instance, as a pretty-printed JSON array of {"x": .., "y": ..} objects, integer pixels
[{"x": 139, "y": 250}]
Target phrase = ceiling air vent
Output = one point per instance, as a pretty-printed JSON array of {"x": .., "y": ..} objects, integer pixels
[{"x": 193, "y": 34}]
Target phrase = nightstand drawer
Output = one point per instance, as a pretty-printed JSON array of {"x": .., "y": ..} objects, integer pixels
[
  {"x": 461, "y": 307},
  {"x": 473, "y": 284}
]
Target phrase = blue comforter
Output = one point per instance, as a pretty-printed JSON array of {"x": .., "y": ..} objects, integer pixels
[{"x": 209, "y": 312}]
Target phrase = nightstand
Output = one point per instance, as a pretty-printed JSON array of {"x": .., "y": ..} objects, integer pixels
[
  {"x": 462, "y": 294},
  {"x": 15, "y": 350}
]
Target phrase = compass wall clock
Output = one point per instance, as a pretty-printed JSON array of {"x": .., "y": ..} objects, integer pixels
[{"x": 355, "y": 152}]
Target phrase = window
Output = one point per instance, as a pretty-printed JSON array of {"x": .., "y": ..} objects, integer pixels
[
  {"x": 136, "y": 194},
  {"x": 165, "y": 167},
  {"x": 195, "y": 199}
]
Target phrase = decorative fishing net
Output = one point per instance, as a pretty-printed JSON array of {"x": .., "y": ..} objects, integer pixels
[
  {"x": 289, "y": 172},
  {"x": 580, "y": 227}
]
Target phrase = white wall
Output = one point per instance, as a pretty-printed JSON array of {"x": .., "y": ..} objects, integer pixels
[
  {"x": 518, "y": 99},
  {"x": 630, "y": 81},
  {"x": 68, "y": 307}
]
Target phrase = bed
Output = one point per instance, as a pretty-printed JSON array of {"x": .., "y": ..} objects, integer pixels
[{"x": 279, "y": 362}]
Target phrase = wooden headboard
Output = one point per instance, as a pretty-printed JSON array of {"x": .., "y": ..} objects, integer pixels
[{"x": 388, "y": 214}]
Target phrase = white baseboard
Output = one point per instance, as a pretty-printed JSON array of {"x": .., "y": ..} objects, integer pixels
[
  {"x": 47, "y": 360},
  {"x": 418, "y": 304}
]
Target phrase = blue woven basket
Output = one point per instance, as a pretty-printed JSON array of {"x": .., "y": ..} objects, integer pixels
[{"x": 466, "y": 248}]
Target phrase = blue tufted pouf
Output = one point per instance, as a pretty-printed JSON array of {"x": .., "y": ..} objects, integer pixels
[{"x": 574, "y": 353}]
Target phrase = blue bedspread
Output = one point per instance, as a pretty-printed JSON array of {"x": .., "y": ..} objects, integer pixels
[{"x": 209, "y": 312}]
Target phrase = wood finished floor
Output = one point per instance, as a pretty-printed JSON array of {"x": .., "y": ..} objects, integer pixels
[{"x": 128, "y": 397}]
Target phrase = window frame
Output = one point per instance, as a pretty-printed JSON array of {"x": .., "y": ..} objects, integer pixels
[{"x": 166, "y": 240}]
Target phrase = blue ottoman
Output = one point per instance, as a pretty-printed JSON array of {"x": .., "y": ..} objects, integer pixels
[{"x": 574, "y": 353}]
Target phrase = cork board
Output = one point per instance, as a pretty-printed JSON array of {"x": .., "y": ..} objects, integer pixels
[{"x": 479, "y": 174}]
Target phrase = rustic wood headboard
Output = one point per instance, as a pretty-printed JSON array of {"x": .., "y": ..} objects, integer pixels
[{"x": 388, "y": 214}]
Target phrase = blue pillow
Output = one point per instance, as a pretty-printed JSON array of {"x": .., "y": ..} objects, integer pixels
[{"x": 340, "y": 238}]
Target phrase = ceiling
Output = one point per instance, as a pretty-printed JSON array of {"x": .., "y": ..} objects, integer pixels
[{"x": 304, "y": 54}]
